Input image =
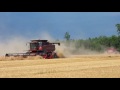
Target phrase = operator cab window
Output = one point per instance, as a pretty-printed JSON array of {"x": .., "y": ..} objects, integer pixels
[
  {"x": 40, "y": 43},
  {"x": 33, "y": 45}
]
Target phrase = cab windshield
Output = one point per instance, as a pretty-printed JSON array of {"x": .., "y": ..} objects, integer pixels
[{"x": 34, "y": 45}]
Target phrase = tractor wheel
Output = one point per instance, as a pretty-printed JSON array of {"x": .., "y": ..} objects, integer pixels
[
  {"x": 6, "y": 55},
  {"x": 55, "y": 56}
]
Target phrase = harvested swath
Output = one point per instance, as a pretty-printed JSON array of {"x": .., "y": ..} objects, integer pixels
[
  {"x": 3, "y": 58},
  {"x": 14, "y": 58}
]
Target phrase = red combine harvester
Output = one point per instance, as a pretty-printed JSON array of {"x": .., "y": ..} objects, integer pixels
[
  {"x": 112, "y": 50},
  {"x": 38, "y": 48}
]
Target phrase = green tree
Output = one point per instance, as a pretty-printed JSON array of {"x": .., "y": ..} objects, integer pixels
[
  {"x": 118, "y": 28},
  {"x": 67, "y": 36}
]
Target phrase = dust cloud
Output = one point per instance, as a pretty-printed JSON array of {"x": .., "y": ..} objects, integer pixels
[
  {"x": 68, "y": 50},
  {"x": 13, "y": 45}
]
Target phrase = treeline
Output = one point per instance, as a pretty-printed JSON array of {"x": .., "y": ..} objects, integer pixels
[{"x": 99, "y": 44}]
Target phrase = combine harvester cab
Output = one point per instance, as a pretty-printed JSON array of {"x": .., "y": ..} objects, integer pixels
[{"x": 38, "y": 48}]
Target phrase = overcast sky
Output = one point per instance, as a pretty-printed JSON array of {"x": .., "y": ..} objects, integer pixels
[{"x": 78, "y": 24}]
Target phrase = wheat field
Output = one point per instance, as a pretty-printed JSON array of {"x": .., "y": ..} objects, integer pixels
[{"x": 78, "y": 66}]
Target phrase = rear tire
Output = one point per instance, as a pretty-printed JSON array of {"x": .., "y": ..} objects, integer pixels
[
  {"x": 6, "y": 55},
  {"x": 55, "y": 56}
]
